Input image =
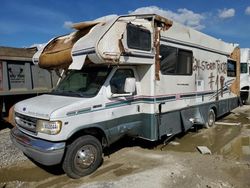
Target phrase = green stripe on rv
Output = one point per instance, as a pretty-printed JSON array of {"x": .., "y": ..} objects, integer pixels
[{"x": 136, "y": 101}]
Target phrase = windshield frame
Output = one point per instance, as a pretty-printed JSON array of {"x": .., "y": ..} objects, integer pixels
[{"x": 91, "y": 78}]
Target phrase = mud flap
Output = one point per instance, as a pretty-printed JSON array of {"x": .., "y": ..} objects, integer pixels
[
  {"x": 190, "y": 117},
  {"x": 169, "y": 124}
]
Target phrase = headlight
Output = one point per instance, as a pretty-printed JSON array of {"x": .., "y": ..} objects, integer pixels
[{"x": 48, "y": 127}]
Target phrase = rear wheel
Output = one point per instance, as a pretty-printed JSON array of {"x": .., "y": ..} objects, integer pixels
[
  {"x": 83, "y": 156},
  {"x": 211, "y": 118}
]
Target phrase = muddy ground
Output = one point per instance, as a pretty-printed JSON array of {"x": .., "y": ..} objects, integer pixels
[{"x": 136, "y": 163}]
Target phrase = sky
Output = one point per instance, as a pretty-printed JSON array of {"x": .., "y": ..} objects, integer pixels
[{"x": 25, "y": 23}]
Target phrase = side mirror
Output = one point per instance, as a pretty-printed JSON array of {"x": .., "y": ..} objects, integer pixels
[{"x": 129, "y": 86}]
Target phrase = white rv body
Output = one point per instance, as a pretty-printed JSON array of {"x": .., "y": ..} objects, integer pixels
[
  {"x": 182, "y": 78},
  {"x": 244, "y": 75}
]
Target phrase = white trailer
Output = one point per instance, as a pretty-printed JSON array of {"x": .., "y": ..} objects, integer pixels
[
  {"x": 244, "y": 75},
  {"x": 138, "y": 75}
]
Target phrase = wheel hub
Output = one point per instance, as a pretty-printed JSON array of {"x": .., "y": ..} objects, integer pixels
[{"x": 85, "y": 157}]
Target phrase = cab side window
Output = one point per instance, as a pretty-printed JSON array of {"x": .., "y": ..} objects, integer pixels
[{"x": 118, "y": 80}]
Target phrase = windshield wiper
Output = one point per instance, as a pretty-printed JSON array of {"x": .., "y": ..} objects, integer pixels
[
  {"x": 66, "y": 93},
  {"x": 71, "y": 93}
]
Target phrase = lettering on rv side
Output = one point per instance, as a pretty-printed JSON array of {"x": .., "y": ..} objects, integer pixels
[
  {"x": 205, "y": 65},
  {"x": 221, "y": 68}
]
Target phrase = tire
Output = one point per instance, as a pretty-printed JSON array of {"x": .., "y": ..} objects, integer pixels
[
  {"x": 244, "y": 95},
  {"x": 210, "y": 118},
  {"x": 83, "y": 156}
]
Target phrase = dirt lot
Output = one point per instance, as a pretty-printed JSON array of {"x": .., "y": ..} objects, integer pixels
[{"x": 137, "y": 163}]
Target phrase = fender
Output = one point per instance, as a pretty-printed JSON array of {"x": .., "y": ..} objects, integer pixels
[{"x": 91, "y": 129}]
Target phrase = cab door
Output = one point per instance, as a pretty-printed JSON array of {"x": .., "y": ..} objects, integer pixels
[{"x": 124, "y": 109}]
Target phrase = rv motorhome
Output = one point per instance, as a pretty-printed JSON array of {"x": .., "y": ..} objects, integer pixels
[
  {"x": 138, "y": 75},
  {"x": 244, "y": 75}
]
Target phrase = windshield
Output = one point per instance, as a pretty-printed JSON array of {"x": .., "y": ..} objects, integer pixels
[
  {"x": 243, "y": 68},
  {"x": 83, "y": 83}
]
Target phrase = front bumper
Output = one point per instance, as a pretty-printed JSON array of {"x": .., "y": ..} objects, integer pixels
[{"x": 44, "y": 152}]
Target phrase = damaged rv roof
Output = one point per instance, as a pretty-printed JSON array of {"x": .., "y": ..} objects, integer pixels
[
  {"x": 20, "y": 54},
  {"x": 103, "y": 41}
]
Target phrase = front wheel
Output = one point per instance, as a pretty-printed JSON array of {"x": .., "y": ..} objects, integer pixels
[
  {"x": 211, "y": 119},
  {"x": 83, "y": 156}
]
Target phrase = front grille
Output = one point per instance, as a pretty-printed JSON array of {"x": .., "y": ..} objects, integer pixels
[{"x": 26, "y": 122}]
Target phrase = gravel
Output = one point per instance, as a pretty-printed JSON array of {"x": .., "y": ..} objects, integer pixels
[{"x": 9, "y": 154}]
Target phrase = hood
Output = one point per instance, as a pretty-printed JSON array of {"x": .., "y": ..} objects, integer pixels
[{"x": 43, "y": 106}]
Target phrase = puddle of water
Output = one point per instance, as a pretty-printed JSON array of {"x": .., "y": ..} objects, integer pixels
[
  {"x": 238, "y": 148},
  {"x": 23, "y": 174},
  {"x": 242, "y": 117},
  {"x": 241, "y": 174},
  {"x": 124, "y": 171},
  {"x": 105, "y": 170},
  {"x": 213, "y": 138},
  {"x": 31, "y": 177},
  {"x": 221, "y": 139},
  {"x": 55, "y": 182}
]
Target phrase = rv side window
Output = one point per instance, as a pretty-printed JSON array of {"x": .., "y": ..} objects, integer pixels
[
  {"x": 243, "y": 68},
  {"x": 117, "y": 82},
  {"x": 175, "y": 61},
  {"x": 138, "y": 38},
  {"x": 231, "y": 68}
]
